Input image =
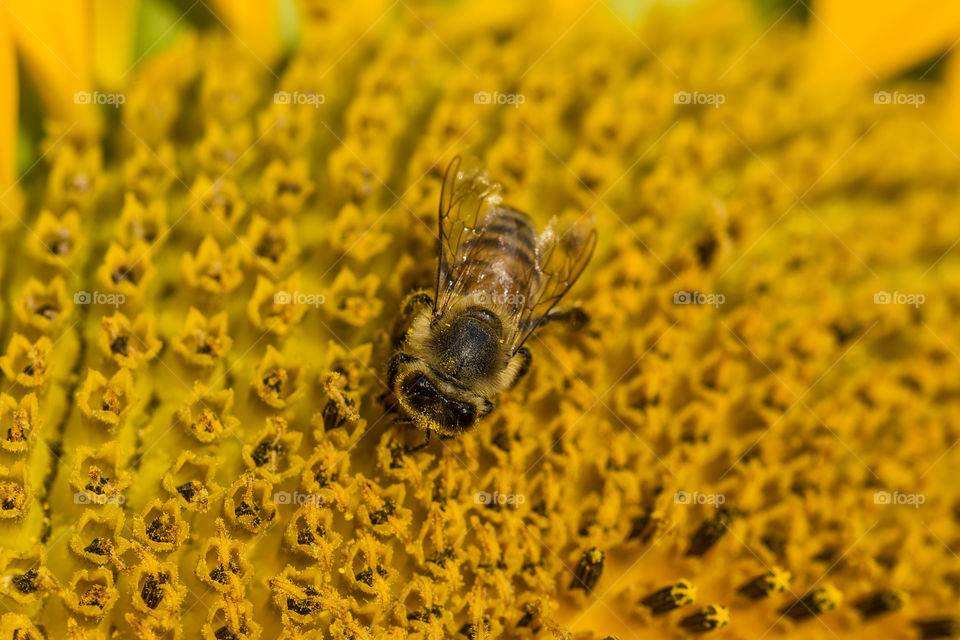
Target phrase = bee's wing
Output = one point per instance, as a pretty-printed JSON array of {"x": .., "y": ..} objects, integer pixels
[
  {"x": 465, "y": 198},
  {"x": 562, "y": 255}
]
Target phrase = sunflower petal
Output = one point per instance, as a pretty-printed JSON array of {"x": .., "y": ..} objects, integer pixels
[
  {"x": 256, "y": 23},
  {"x": 114, "y": 28},
  {"x": 53, "y": 39},
  {"x": 861, "y": 39},
  {"x": 8, "y": 116}
]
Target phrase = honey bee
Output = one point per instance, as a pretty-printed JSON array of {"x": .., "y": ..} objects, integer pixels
[{"x": 497, "y": 281}]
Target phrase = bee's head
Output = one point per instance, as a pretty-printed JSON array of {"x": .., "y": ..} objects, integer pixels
[{"x": 437, "y": 402}]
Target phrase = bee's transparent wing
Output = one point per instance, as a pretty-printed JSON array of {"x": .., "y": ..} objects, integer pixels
[
  {"x": 466, "y": 196},
  {"x": 562, "y": 255}
]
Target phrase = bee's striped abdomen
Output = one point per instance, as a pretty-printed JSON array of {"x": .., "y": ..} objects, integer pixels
[{"x": 501, "y": 257}]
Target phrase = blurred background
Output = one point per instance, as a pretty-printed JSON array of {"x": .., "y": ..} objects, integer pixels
[{"x": 51, "y": 50}]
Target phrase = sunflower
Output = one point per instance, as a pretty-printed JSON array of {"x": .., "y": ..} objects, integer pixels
[{"x": 212, "y": 215}]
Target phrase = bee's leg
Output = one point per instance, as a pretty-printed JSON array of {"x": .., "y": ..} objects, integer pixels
[
  {"x": 423, "y": 445},
  {"x": 412, "y": 304},
  {"x": 574, "y": 317},
  {"x": 520, "y": 363}
]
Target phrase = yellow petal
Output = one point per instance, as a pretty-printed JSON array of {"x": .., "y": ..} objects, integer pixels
[
  {"x": 114, "y": 28},
  {"x": 256, "y": 23},
  {"x": 8, "y": 110},
  {"x": 53, "y": 39},
  {"x": 948, "y": 124},
  {"x": 864, "y": 39}
]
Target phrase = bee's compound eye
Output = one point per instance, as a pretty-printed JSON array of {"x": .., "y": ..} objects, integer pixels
[
  {"x": 461, "y": 414},
  {"x": 420, "y": 387},
  {"x": 420, "y": 393}
]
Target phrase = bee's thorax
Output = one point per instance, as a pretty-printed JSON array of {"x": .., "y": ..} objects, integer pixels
[{"x": 469, "y": 344}]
